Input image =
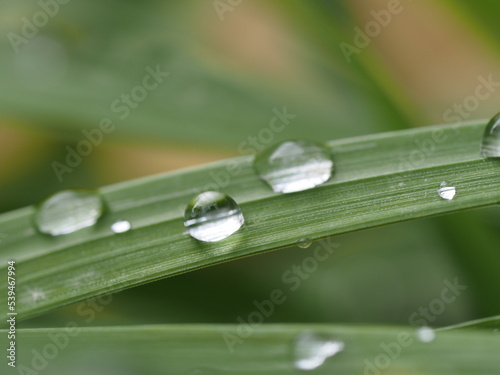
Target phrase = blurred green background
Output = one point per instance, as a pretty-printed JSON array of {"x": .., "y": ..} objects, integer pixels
[{"x": 229, "y": 66}]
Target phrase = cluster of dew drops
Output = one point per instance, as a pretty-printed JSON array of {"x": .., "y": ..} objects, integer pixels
[
  {"x": 211, "y": 216},
  {"x": 287, "y": 167}
]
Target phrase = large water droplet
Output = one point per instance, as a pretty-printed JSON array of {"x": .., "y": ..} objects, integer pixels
[
  {"x": 68, "y": 211},
  {"x": 311, "y": 350},
  {"x": 121, "y": 226},
  {"x": 447, "y": 192},
  {"x": 426, "y": 334},
  {"x": 212, "y": 217},
  {"x": 294, "y": 166},
  {"x": 304, "y": 243},
  {"x": 490, "y": 147}
]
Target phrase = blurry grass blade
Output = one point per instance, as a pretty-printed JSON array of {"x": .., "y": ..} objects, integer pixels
[
  {"x": 486, "y": 323},
  {"x": 379, "y": 179},
  {"x": 268, "y": 350}
]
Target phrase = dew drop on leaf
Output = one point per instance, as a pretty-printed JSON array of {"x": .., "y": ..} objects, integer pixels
[
  {"x": 121, "y": 226},
  {"x": 426, "y": 334},
  {"x": 294, "y": 166},
  {"x": 447, "y": 192},
  {"x": 212, "y": 217},
  {"x": 311, "y": 350},
  {"x": 304, "y": 243},
  {"x": 68, "y": 211},
  {"x": 490, "y": 146}
]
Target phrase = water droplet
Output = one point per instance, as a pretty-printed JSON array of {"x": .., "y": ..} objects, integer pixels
[
  {"x": 294, "y": 166},
  {"x": 212, "y": 217},
  {"x": 121, "y": 226},
  {"x": 304, "y": 243},
  {"x": 312, "y": 350},
  {"x": 68, "y": 211},
  {"x": 490, "y": 146},
  {"x": 426, "y": 334},
  {"x": 447, "y": 192}
]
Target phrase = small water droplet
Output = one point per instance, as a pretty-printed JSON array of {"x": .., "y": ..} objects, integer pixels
[
  {"x": 311, "y": 350},
  {"x": 426, "y": 334},
  {"x": 294, "y": 166},
  {"x": 447, "y": 192},
  {"x": 68, "y": 211},
  {"x": 490, "y": 146},
  {"x": 304, "y": 243},
  {"x": 212, "y": 217},
  {"x": 121, "y": 226}
]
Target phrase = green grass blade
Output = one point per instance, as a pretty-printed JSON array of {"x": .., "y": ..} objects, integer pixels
[
  {"x": 380, "y": 179},
  {"x": 264, "y": 350},
  {"x": 491, "y": 323}
]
